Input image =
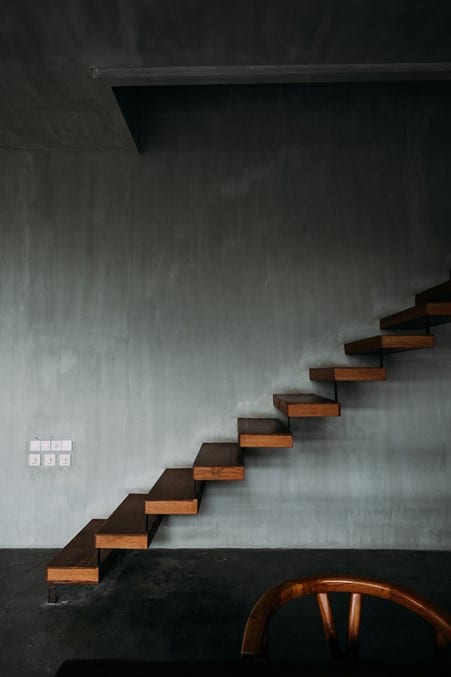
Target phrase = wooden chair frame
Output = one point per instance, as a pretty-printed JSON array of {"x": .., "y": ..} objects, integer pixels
[{"x": 255, "y": 638}]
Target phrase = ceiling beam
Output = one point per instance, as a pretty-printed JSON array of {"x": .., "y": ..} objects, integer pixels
[{"x": 271, "y": 74}]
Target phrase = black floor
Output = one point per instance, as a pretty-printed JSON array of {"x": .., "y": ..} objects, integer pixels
[{"x": 193, "y": 604}]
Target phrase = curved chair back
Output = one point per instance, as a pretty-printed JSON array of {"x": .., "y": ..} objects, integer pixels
[{"x": 255, "y": 636}]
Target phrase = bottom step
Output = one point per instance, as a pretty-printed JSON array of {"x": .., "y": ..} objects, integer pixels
[{"x": 79, "y": 561}]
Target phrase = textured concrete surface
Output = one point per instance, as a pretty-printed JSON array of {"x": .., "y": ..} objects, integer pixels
[
  {"x": 48, "y": 49},
  {"x": 148, "y": 301},
  {"x": 193, "y": 604}
]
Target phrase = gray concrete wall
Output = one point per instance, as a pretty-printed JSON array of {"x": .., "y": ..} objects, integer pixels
[
  {"x": 148, "y": 301},
  {"x": 48, "y": 48}
]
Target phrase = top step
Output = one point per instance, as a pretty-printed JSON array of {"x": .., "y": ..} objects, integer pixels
[
  {"x": 418, "y": 317},
  {"x": 388, "y": 343},
  {"x": 219, "y": 461},
  {"x": 439, "y": 293},
  {"x": 176, "y": 492}
]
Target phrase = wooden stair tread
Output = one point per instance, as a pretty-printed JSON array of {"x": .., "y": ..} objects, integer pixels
[
  {"x": 417, "y": 317},
  {"x": 219, "y": 461},
  {"x": 348, "y": 374},
  {"x": 128, "y": 527},
  {"x": 263, "y": 432},
  {"x": 176, "y": 492},
  {"x": 441, "y": 292},
  {"x": 300, "y": 404},
  {"x": 79, "y": 561},
  {"x": 389, "y": 343}
]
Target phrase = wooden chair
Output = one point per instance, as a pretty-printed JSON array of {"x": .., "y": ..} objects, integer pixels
[{"x": 255, "y": 635}]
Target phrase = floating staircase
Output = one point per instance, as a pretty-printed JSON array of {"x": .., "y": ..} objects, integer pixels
[{"x": 178, "y": 491}]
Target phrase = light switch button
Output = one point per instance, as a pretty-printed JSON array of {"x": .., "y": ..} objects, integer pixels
[
  {"x": 34, "y": 459},
  {"x": 49, "y": 459}
]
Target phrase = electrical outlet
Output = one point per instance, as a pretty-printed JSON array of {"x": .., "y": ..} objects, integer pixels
[
  {"x": 56, "y": 445},
  {"x": 34, "y": 459},
  {"x": 66, "y": 445},
  {"x": 49, "y": 459},
  {"x": 64, "y": 460},
  {"x": 45, "y": 445},
  {"x": 35, "y": 445}
]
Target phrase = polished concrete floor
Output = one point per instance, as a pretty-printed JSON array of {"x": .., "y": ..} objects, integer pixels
[{"x": 193, "y": 604}]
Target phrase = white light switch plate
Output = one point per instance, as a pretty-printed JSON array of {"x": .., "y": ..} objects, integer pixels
[
  {"x": 66, "y": 445},
  {"x": 45, "y": 445},
  {"x": 35, "y": 445},
  {"x": 49, "y": 459},
  {"x": 64, "y": 460},
  {"x": 34, "y": 459},
  {"x": 56, "y": 445}
]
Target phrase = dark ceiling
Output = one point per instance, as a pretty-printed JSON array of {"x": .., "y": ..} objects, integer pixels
[{"x": 48, "y": 48}]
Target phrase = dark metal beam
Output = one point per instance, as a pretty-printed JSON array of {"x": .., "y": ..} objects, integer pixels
[{"x": 271, "y": 74}]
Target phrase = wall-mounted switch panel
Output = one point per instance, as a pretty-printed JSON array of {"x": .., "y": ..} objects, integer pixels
[
  {"x": 49, "y": 459},
  {"x": 64, "y": 460}
]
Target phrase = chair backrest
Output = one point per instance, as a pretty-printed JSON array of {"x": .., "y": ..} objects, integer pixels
[{"x": 255, "y": 635}]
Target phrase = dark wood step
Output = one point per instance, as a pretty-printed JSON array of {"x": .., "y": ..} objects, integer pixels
[
  {"x": 128, "y": 527},
  {"x": 418, "y": 317},
  {"x": 80, "y": 561},
  {"x": 439, "y": 293},
  {"x": 176, "y": 492},
  {"x": 388, "y": 344},
  {"x": 297, "y": 405},
  {"x": 219, "y": 461},
  {"x": 263, "y": 432},
  {"x": 348, "y": 374}
]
